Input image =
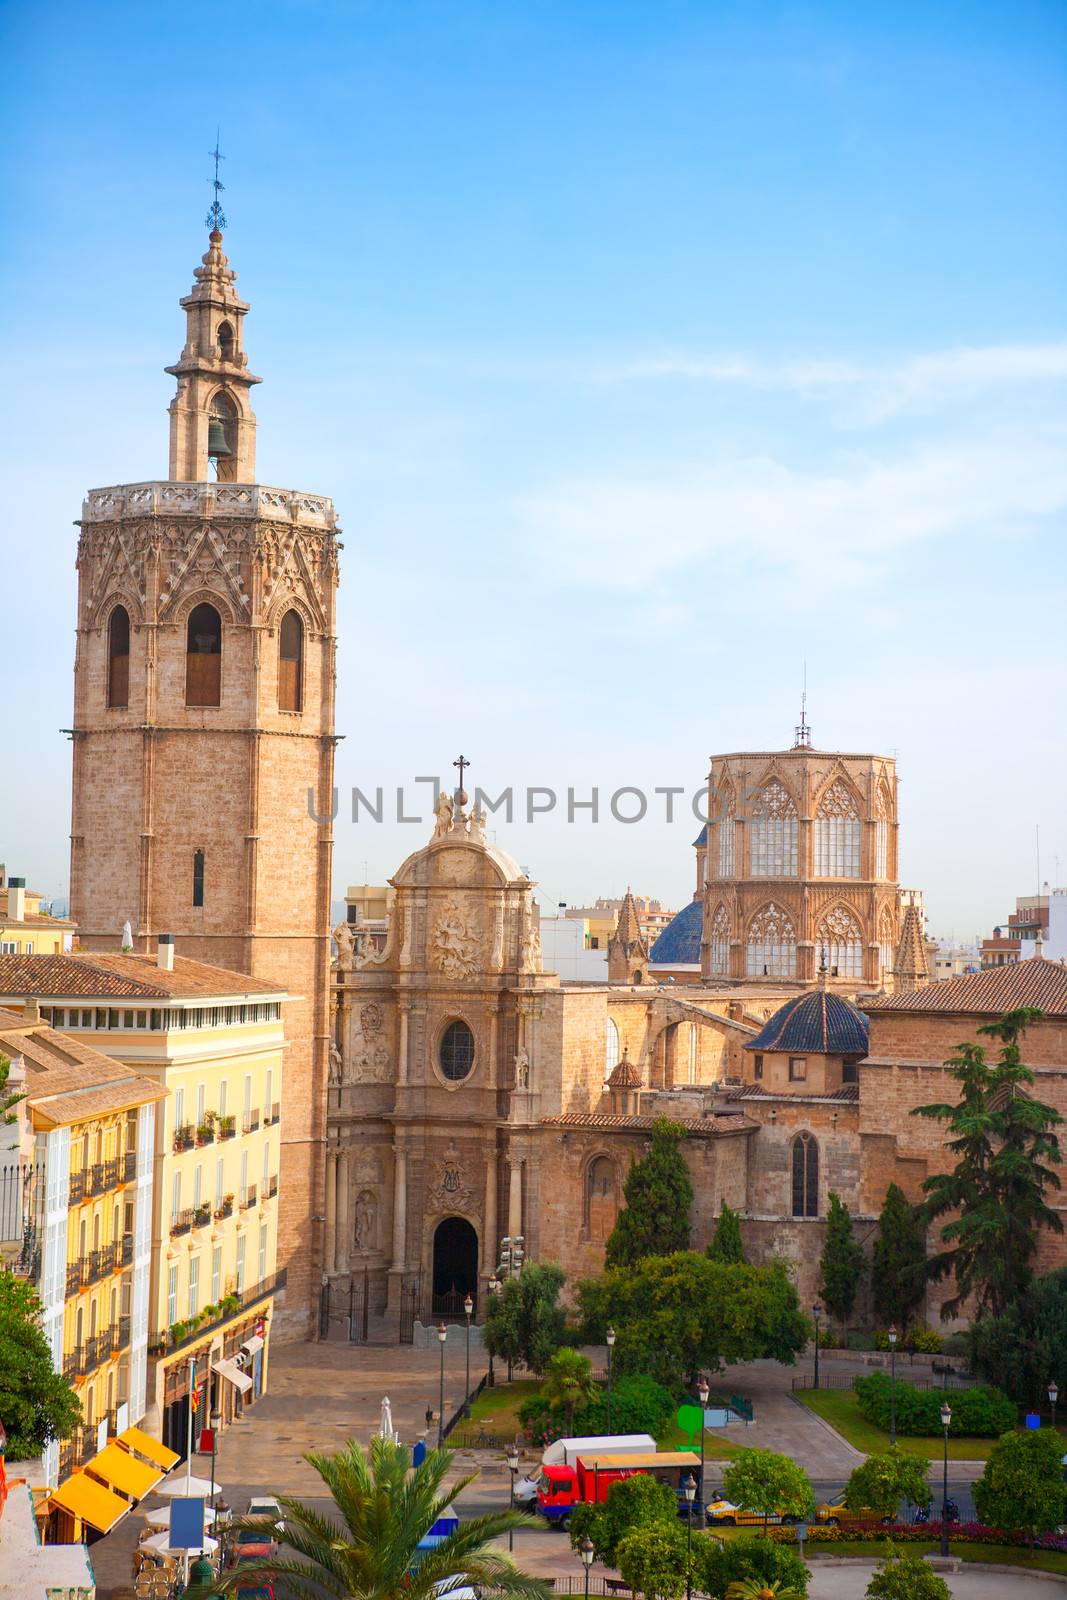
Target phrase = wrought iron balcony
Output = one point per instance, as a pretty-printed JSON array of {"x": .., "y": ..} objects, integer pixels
[
  {"x": 226, "y": 1127},
  {"x": 185, "y": 1137},
  {"x": 182, "y": 1221},
  {"x": 275, "y": 1114},
  {"x": 248, "y": 1197},
  {"x": 251, "y": 1121},
  {"x": 272, "y": 1187}
]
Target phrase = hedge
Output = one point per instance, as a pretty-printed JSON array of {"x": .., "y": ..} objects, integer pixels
[
  {"x": 971, "y": 1532},
  {"x": 978, "y": 1413}
]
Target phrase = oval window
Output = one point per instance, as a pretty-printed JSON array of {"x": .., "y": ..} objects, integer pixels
[{"x": 457, "y": 1052}]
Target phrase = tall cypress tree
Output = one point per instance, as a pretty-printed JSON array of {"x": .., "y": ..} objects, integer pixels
[
  {"x": 658, "y": 1194},
  {"x": 898, "y": 1265},
  {"x": 726, "y": 1244},
  {"x": 842, "y": 1263}
]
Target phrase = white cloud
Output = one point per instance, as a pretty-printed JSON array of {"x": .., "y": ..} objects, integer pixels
[{"x": 842, "y": 523}]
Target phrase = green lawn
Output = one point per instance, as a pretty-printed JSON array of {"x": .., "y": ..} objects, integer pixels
[
  {"x": 840, "y": 1408},
  {"x": 497, "y": 1410},
  {"x": 1036, "y": 1560}
]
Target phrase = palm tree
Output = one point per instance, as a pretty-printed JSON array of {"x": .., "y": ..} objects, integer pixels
[
  {"x": 370, "y": 1551},
  {"x": 761, "y": 1589},
  {"x": 568, "y": 1382}
]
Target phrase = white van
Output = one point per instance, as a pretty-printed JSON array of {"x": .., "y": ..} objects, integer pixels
[{"x": 564, "y": 1453}]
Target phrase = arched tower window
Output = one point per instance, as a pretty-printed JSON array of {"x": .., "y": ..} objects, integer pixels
[
  {"x": 720, "y": 942},
  {"x": 837, "y": 834},
  {"x": 203, "y": 657},
  {"x": 839, "y": 944},
  {"x": 805, "y": 1175},
  {"x": 884, "y": 811},
  {"x": 118, "y": 657},
  {"x": 726, "y": 834},
  {"x": 225, "y": 337},
  {"x": 222, "y": 437},
  {"x": 198, "y": 877},
  {"x": 773, "y": 851},
  {"x": 601, "y": 1203},
  {"x": 612, "y": 1050},
  {"x": 291, "y": 663},
  {"x": 771, "y": 948}
]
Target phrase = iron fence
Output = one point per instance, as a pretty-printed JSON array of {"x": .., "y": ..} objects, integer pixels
[
  {"x": 848, "y": 1380},
  {"x": 22, "y": 1213}
]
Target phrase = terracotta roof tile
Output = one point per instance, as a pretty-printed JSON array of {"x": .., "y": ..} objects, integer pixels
[
  {"x": 756, "y": 1091},
  {"x": 104, "y": 975},
  {"x": 1036, "y": 982},
  {"x": 626, "y": 1074},
  {"x": 699, "y": 1127},
  {"x": 66, "y": 1079}
]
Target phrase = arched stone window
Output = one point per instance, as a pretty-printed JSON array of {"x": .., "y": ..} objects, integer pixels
[
  {"x": 601, "y": 1198},
  {"x": 837, "y": 834},
  {"x": 118, "y": 658},
  {"x": 805, "y": 1175},
  {"x": 456, "y": 1054},
  {"x": 771, "y": 947},
  {"x": 291, "y": 663},
  {"x": 886, "y": 942},
  {"x": 883, "y": 818},
  {"x": 773, "y": 844},
  {"x": 225, "y": 337},
  {"x": 612, "y": 1048},
  {"x": 222, "y": 437},
  {"x": 203, "y": 657},
  {"x": 720, "y": 941},
  {"x": 839, "y": 944},
  {"x": 726, "y": 833}
]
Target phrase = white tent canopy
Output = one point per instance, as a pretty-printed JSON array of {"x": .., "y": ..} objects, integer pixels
[
  {"x": 179, "y": 1483},
  {"x": 161, "y": 1542}
]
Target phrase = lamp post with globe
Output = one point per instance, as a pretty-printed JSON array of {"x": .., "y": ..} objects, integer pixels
[
  {"x": 689, "y": 1489},
  {"x": 513, "y": 1467},
  {"x": 442, "y": 1335},
  {"x": 610, "y": 1338},
  {"x": 946, "y": 1418},
  {"x": 892, "y": 1386},
  {"x": 588, "y": 1555},
  {"x": 468, "y": 1307}
]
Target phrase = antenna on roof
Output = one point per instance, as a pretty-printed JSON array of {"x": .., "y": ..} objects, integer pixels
[{"x": 802, "y": 733}]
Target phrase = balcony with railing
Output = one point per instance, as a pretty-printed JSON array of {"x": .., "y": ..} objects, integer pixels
[
  {"x": 275, "y": 1114},
  {"x": 226, "y": 1127},
  {"x": 185, "y": 1136},
  {"x": 224, "y": 1208},
  {"x": 181, "y": 1221},
  {"x": 87, "y": 1183},
  {"x": 251, "y": 1121},
  {"x": 232, "y": 1304},
  {"x": 272, "y": 1187},
  {"x": 202, "y": 1215},
  {"x": 248, "y": 1197}
]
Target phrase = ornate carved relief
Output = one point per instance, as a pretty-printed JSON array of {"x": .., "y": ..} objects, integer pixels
[
  {"x": 452, "y": 1192},
  {"x": 456, "y": 940}
]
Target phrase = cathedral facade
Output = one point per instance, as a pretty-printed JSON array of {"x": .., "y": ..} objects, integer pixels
[{"x": 204, "y": 727}]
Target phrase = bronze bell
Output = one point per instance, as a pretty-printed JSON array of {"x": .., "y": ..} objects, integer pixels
[{"x": 216, "y": 440}]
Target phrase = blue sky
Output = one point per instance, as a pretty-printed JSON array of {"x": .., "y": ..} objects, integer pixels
[{"x": 647, "y": 351}]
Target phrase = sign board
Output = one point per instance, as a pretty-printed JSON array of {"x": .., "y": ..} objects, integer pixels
[
  {"x": 691, "y": 1421},
  {"x": 122, "y": 1417},
  {"x": 101, "y": 1433},
  {"x": 186, "y": 1522},
  {"x": 1033, "y": 1420}
]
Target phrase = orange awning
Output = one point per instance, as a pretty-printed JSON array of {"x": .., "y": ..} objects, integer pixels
[
  {"x": 124, "y": 1472},
  {"x": 84, "y": 1498},
  {"x": 145, "y": 1445}
]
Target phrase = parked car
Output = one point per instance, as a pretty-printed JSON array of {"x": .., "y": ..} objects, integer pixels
[
  {"x": 834, "y": 1513},
  {"x": 264, "y": 1505},
  {"x": 731, "y": 1516}
]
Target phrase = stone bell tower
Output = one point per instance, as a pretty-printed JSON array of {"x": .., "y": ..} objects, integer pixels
[{"x": 204, "y": 728}]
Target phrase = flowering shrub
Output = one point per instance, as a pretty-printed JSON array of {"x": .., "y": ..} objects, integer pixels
[
  {"x": 540, "y": 1423},
  {"x": 971, "y": 1532}
]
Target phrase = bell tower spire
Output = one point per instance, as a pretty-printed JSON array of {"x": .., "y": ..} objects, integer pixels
[{"x": 212, "y": 425}]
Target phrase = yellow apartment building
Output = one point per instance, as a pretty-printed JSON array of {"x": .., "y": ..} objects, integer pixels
[
  {"x": 212, "y": 1040},
  {"x": 76, "y": 1170},
  {"x": 24, "y": 928}
]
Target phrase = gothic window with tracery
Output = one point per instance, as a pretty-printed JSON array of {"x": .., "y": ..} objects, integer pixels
[
  {"x": 886, "y": 942},
  {"x": 771, "y": 948},
  {"x": 612, "y": 1050},
  {"x": 805, "y": 1175},
  {"x": 881, "y": 834},
  {"x": 837, "y": 834},
  {"x": 726, "y": 834},
  {"x": 720, "y": 941},
  {"x": 773, "y": 846},
  {"x": 839, "y": 944}
]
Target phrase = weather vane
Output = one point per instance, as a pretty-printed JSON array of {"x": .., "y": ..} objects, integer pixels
[{"x": 216, "y": 217}]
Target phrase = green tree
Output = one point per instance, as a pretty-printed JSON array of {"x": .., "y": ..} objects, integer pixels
[
  {"x": 638, "y": 1405},
  {"x": 1022, "y": 1487},
  {"x": 633, "y": 1504},
  {"x": 368, "y": 1548},
  {"x": 726, "y": 1244},
  {"x": 658, "y": 1193},
  {"x": 720, "y": 1563},
  {"x": 653, "y": 1561},
  {"x": 524, "y": 1321},
  {"x": 763, "y": 1481},
  {"x": 904, "y": 1575},
  {"x": 842, "y": 1263},
  {"x": 569, "y": 1382},
  {"x": 1006, "y": 1152},
  {"x": 898, "y": 1263},
  {"x": 883, "y": 1481},
  {"x": 1021, "y": 1350},
  {"x": 37, "y": 1404},
  {"x": 677, "y": 1316}
]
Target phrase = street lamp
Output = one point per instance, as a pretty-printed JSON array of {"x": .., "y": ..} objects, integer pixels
[
  {"x": 689, "y": 1488},
  {"x": 588, "y": 1555},
  {"x": 222, "y": 1517},
  {"x": 946, "y": 1418},
  {"x": 468, "y": 1307},
  {"x": 892, "y": 1386},
  {"x": 513, "y": 1467},
  {"x": 494, "y": 1288},
  {"x": 610, "y": 1336},
  {"x": 702, "y": 1393},
  {"x": 1053, "y": 1396},
  {"x": 802, "y": 1534},
  {"x": 816, "y": 1312},
  {"x": 442, "y": 1335},
  {"x": 215, "y": 1420}
]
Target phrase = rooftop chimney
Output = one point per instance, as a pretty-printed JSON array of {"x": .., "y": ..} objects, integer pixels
[
  {"x": 31, "y": 1009},
  {"x": 16, "y": 899},
  {"x": 165, "y": 952}
]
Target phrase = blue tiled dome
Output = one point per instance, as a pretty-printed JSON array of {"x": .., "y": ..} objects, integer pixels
[
  {"x": 817, "y": 1023},
  {"x": 679, "y": 943}
]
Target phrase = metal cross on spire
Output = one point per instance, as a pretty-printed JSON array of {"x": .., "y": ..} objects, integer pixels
[
  {"x": 462, "y": 763},
  {"x": 802, "y": 734},
  {"x": 216, "y": 217}
]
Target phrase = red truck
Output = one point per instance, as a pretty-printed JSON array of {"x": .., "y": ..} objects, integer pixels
[{"x": 588, "y": 1480}]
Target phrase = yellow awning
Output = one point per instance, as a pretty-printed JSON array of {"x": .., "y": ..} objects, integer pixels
[
  {"x": 85, "y": 1498},
  {"x": 145, "y": 1445},
  {"x": 124, "y": 1472}
]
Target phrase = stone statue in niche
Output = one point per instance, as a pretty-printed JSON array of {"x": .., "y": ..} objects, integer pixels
[
  {"x": 455, "y": 941},
  {"x": 444, "y": 812},
  {"x": 337, "y": 1067},
  {"x": 522, "y": 1070},
  {"x": 345, "y": 940},
  {"x": 365, "y": 1221}
]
